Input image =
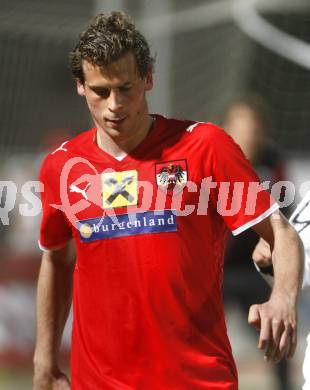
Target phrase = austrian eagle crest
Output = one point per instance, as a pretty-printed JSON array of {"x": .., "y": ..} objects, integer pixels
[{"x": 171, "y": 176}]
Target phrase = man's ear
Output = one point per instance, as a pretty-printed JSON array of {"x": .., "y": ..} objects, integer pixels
[
  {"x": 80, "y": 87},
  {"x": 149, "y": 80}
]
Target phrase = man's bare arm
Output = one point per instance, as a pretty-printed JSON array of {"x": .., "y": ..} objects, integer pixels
[
  {"x": 54, "y": 297},
  {"x": 277, "y": 318}
]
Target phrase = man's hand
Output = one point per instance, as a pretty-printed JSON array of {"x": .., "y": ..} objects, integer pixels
[
  {"x": 48, "y": 381},
  {"x": 262, "y": 254},
  {"x": 276, "y": 320}
]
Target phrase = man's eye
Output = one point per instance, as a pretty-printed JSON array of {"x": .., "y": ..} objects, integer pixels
[
  {"x": 102, "y": 92},
  {"x": 125, "y": 89}
]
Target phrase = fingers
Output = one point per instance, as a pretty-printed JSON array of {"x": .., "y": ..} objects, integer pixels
[
  {"x": 254, "y": 316},
  {"x": 293, "y": 341},
  {"x": 267, "y": 332},
  {"x": 265, "y": 336},
  {"x": 273, "y": 349},
  {"x": 277, "y": 337},
  {"x": 262, "y": 253},
  {"x": 287, "y": 343}
]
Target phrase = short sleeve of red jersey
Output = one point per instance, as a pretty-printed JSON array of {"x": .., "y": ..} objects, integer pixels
[
  {"x": 240, "y": 199},
  {"x": 55, "y": 230}
]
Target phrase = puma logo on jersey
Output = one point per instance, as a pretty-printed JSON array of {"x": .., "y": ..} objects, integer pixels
[
  {"x": 61, "y": 147},
  {"x": 76, "y": 189},
  {"x": 190, "y": 128}
]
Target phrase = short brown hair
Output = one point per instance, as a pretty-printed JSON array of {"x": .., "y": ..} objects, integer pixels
[{"x": 106, "y": 39}]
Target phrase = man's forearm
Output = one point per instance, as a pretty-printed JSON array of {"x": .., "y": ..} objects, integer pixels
[
  {"x": 281, "y": 247},
  {"x": 54, "y": 296},
  {"x": 288, "y": 262}
]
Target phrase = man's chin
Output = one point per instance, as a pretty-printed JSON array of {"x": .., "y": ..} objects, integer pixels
[{"x": 115, "y": 132}]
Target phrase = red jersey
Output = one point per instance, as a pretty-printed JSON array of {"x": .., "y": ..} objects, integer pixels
[{"x": 149, "y": 232}]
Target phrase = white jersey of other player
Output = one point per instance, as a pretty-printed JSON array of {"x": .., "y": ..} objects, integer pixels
[{"x": 300, "y": 219}]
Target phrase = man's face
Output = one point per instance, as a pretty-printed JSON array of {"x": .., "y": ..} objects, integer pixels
[
  {"x": 115, "y": 95},
  {"x": 242, "y": 124}
]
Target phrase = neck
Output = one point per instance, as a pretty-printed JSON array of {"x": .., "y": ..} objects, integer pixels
[{"x": 120, "y": 146}]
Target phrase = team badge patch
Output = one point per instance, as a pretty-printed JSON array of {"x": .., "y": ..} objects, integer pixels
[
  {"x": 171, "y": 176},
  {"x": 119, "y": 189}
]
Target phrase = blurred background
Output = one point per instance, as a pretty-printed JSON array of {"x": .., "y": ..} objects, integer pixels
[{"x": 209, "y": 53}]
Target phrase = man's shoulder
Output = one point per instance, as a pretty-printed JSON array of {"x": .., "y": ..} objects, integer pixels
[
  {"x": 196, "y": 129},
  {"x": 205, "y": 130},
  {"x": 73, "y": 147}
]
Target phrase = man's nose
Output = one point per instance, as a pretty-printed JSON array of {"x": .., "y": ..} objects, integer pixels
[{"x": 115, "y": 101}]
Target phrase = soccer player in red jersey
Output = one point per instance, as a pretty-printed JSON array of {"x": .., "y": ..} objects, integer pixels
[{"x": 147, "y": 202}]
